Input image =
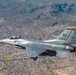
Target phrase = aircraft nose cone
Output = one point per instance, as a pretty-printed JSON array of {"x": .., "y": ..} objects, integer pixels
[
  {"x": 4, "y": 40},
  {"x": 1, "y": 40}
]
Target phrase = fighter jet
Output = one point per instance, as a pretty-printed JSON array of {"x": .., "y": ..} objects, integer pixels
[{"x": 62, "y": 44}]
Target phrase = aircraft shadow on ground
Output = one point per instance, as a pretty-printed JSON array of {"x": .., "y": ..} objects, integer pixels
[{"x": 48, "y": 53}]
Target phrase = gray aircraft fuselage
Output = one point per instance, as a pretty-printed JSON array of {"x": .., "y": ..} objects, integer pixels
[{"x": 61, "y": 44}]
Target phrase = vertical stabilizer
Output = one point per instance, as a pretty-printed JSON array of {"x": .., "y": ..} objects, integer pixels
[{"x": 67, "y": 35}]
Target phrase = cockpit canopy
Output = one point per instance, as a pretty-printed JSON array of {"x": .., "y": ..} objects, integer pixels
[{"x": 15, "y": 37}]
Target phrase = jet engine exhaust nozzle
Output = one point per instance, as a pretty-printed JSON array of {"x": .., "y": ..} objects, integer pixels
[{"x": 70, "y": 48}]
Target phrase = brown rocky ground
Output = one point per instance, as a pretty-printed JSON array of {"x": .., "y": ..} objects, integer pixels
[
  {"x": 35, "y": 21},
  {"x": 45, "y": 65}
]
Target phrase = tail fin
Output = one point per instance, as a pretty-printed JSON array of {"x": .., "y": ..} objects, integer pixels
[{"x": 67, "y": 35}]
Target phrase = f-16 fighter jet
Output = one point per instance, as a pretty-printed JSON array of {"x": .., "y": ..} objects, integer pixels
[{"x": 61, "y": 44}]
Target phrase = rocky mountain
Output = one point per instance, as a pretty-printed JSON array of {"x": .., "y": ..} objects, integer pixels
[
  {"x": 18, "y": 15},
  {"x": 4, "y": 2},
  {"x": 35, "y": 19},
  {"x": 49, "y": 14}
]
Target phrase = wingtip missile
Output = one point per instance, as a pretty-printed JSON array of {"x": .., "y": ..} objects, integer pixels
[{"x": 71, "y": 28}]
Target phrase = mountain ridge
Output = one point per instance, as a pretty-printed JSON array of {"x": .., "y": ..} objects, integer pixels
[
  {"x": 54, "y": 13},
  {"x": 4, "y": 2}
]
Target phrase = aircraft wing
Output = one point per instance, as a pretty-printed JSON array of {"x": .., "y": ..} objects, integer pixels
[{"x": 33, "y": 51}]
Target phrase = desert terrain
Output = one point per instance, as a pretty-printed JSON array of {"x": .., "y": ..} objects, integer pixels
[{"x": 37, "y": 21}]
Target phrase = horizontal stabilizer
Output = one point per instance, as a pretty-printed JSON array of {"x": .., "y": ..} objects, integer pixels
[
  {"x": 74, "y": 45},
  {"x": 63, "y": 53}
]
